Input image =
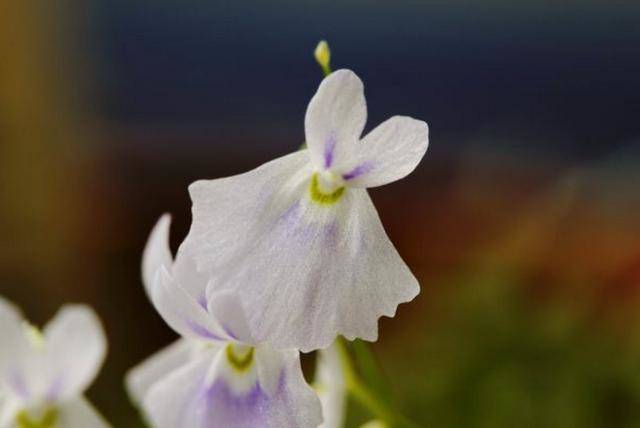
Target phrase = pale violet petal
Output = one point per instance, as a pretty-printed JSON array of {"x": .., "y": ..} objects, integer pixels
[
  {"x": 182, "y": 312},
  {"x": 8, "y": 310},
  {"x": 269, "y": 365},
  {"x": 329, "y": 383},
  {"x": 299, "y": 405},
  {"x": 79, "y": 413},
  {"x": 335, "y": 118},
  {"x": 317, "y": 271},
  {"x": 9, "y": 408},
  {"x": 227, "y": 308},
  {"x": 142, "y": 377},
  {"x": 207, "y": 393},
  {"x": 193, "y": 281},
  {"x": 229, "y": 213},
  {"x": 281, "y": 375},
  {"x": 156, "y": 252},
  {"x": 388, "y": 153},
  {"x": 13, "y": 342},
  {"x": 75, "y": 350},
  {"x": 24, "y": 373}
]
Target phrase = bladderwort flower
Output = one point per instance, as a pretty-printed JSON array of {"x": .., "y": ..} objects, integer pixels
[
  {"x": 43, "y": 375},
  {"x": 299, "y": 238},
  {"x": 217, "y": 375}
]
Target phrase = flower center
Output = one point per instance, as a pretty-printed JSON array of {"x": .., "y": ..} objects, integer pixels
[
  {"x": 46, "y": 418},
  {"x": 240, "y": 357},
  {"x": 34, "y": 335},
  {"x": 326, "y": 188}
]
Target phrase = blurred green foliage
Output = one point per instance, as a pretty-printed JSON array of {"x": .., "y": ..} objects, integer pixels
[{"x": 488, "y": 357}]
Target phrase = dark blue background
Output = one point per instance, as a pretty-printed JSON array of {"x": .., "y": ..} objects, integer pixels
[{"x": 562, "y": 78}]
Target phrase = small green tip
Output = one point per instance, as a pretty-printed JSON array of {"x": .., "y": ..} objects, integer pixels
[{"x": 323, "y": 56}]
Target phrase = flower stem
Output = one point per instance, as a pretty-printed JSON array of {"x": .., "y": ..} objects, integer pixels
[{"x": 365, "y": 396}]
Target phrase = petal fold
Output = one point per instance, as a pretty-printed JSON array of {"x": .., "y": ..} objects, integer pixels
[
  {"x": 182, "y": 312},
  {"x": 156, "y": 252},
  {"x": 227, "y": 308}
]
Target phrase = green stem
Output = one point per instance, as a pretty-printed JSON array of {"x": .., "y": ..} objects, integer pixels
[
  {"x": 371, "y": 402},
  {"x": 365, "y": 397}
]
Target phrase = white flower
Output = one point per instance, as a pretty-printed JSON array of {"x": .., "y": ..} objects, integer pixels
[
  {"x": 218, "y": 375},
  {"x": 43, "y": 375},
  {"x": 299, "y": 237}
]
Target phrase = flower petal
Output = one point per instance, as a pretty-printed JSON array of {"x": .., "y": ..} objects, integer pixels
[
  {"x": 335, "y": 118},
  {"x": 142, "y": 377},
  {"x": 388, "y": 153},
  {"x": 8, "y": 410},
  {"x": 75, "y": 350},
  {"x": 79, "y": 413},
  {"x": 229, "y": 213},
  {"x": 269, "y": 364},
  {"x": 227, "y": 308},
  {"x": 156, "y": 252},
  {"x": 13, "y": 342},
  {"x": 23, "y": 371},
  {"x": 318, "y": 271},
  {"x": 192, "y": 281},
  {"x": 192, "y": 397},
  {"x": 182, "y": 312}
]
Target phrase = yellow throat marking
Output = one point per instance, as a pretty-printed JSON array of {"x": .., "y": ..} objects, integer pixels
[{"x": 323, "y": 198}]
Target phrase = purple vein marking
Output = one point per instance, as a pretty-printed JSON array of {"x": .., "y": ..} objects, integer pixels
[
  {"x": 202, "y": 301},
  {"x": 18, "y": 385},
  {"x": 254, "y": 408},
  {"x": 202, "y": 331},
  {"x": 356, "y": 172},
  {"x": 55, "y": 389},
  {"x": 329, "y": 148},
  {"x": 228, "y": 330}
]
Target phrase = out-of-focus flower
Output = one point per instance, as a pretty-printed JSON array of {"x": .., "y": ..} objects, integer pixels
[
  {"x": 330, "y": 385},
  {"x": 43, "y": 375},
  {"x": 299, "y": 238},
  {"x": 218, "y": 375}
]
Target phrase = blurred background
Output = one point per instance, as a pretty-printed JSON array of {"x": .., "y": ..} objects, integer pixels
[{"x": 522, "y": 222}]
